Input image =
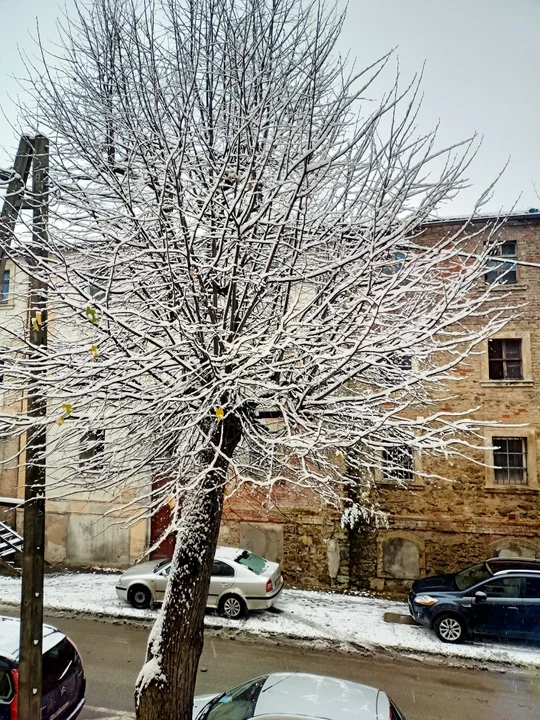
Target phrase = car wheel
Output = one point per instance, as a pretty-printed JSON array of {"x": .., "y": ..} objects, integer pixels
[
  {"x": 450, "y": 628},
  {"x": 140, "y": 597},
  {"x": 232, "y": 606}
]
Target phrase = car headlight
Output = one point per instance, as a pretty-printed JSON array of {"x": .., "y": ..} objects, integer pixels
[
  {"x": 425, "y": 600},
  {"x": 120, "y": 582}
]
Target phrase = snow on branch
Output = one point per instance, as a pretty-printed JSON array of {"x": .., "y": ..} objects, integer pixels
[{"x": 237, "y": 266}]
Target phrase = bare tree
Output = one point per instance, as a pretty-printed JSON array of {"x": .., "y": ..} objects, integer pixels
[{"x": 235, "y": 231}]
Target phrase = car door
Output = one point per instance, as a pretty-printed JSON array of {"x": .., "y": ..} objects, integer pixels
[
  {"x": 160, "y": 583},
  {"x": 500, "y": 612},
  {"x": 222, "y": 579},
  {"x": 531, "y": 607}
]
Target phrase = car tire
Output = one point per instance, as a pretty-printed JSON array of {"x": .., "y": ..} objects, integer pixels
[
  {"x": 232, "y": 607},
  {"x": 450, "y": 628},
  {"x": 140, "y": 597}
]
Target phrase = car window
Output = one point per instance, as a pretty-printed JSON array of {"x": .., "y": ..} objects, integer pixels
[
  {"x": 57, "y": 662},
  {"x": 6, "y": 687},
  {"x": 221, "y": 569},
  {"x": 532, "y": 587},
  {"x": 166, "y": 571},
  {"x": 254, "y": 562},
  {"x": 238, "y": 704},
  {"x": 508, "y": 587},
  {"x": 471, "y": 576}
]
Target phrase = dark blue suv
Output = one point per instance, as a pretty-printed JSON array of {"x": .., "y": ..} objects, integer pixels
[
  {"x": 499, "y": 597},
  {"x": 64, "y": 684}
]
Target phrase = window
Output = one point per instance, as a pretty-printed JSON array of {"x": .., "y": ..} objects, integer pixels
[
  {"x": 397, "y": 463},
  {"x": 221, "y": 569},
  {"x": 6, "y": 686},
  {"x": 254, "y": 562},
  {"x": 532, "y": 588},
  {"x": 503, "y": 266},
  {"x": 401, "y": 362},
  {"x": 4, "y": 295},
  {"x": 97, "y": 284},
  {"x": 92, "y": 449},
  {"x": 237, "y": 704},
  {"x": 57, "y": 662},
  {"x": 510, "y": 460},
  {"x": 508, "y": 587},
  {"x": 505, "y": 359},
  {"x": 471, "y": 576}
]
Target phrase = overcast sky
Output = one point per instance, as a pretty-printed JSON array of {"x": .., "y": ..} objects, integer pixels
[{"x": 481, "y": 75}]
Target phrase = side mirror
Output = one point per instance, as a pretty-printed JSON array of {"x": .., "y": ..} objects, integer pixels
[{"x": 480, "y": 596}]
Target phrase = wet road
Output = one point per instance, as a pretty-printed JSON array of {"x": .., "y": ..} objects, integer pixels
[{"x": 113, "y": 654}]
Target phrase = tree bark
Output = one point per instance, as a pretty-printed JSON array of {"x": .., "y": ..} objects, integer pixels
[{"x": 166, "y": 684}]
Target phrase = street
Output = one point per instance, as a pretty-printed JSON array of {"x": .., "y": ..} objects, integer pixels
[{"x": 113, "y": 654}]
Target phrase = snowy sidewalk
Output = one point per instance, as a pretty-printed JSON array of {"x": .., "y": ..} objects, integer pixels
[{"x": 324, "y": 619}]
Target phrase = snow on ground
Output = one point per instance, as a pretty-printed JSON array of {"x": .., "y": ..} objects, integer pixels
[{"x": 327, "y": 619}]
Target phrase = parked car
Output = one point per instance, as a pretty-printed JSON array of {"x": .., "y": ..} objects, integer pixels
[
  {"x": 298, "y": 696},
  {"x": 63, "y": 686},
  {"x": 499, "y": 597},
  {"x": 240, "y": 581}
]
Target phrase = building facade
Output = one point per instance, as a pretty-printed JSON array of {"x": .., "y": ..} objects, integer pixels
[
  {"x": 476, "y": 508},
  {"x": 489, "y": 504},
  {"x": 485, "y": 506}
]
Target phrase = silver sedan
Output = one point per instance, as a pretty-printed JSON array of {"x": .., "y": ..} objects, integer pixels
[
  {"x": 297, "y": 696},
  {"x": 240, "y": 581}
]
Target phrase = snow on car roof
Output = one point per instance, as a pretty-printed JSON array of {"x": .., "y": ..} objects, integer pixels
[
  {"x": 314, "y": 696},
  {"x": 228, "y": 553},
  {"x": 10, "y": 629}
]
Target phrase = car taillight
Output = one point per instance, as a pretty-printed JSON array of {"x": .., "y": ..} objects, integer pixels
[
  {"x": 269, "y": 586},
  {"x": 13, "y": 707}
]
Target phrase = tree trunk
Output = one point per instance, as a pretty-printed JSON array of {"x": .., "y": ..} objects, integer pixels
[{"x": 166, "y": 684}]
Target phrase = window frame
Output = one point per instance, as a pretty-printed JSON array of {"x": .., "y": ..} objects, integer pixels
[
  {"x": 499, "y": 443},
  {"x": 510, "y": 431},
  {"x": 526, "y": 360},
  {"x": 394, "y": 475},
  {"x": 87, "y": 454},
  {"x": 503, "y": 271},
  {"x": 504, "y": 358}
]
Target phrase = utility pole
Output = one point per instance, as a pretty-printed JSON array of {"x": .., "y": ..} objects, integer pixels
[{"x": 30, "y": 652}]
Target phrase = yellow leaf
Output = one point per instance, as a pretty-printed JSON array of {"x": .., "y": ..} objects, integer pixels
[
  {"x": 67, "y": 407},
  {"x": 220, "y": 414},
  {"x": 35, "y": 324},
  {"x": 94, "y": 351},
  {"x": 60, "y": 421},
  {"x": 91, "y": 315}
]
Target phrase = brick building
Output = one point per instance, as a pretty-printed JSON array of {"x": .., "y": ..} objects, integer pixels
[
  {"x": 436, "y": 525},
  {"x": 480, "y": 511}
]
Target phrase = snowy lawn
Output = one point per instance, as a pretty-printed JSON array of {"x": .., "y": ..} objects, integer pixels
[{"x": 328, "y": 619}]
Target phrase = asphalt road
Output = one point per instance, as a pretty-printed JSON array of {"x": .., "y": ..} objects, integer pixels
[{"x": 113, "y": 654}]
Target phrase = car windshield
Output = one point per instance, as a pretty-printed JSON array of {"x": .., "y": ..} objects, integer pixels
[
  {"x": 161, "y": 564},
  {"x": 254, "y": 562},
  {"x": 472, "y": 576},
  {"x": 237, "y": 704}
]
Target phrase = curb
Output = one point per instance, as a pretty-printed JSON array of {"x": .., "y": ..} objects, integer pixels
[{"x": 247, "y": 636}]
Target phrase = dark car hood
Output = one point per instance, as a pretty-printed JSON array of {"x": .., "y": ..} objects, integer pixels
[{"x": 434, "y": 583}]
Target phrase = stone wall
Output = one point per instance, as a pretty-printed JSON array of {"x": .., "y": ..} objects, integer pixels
[{"x": 293, "y": 527}]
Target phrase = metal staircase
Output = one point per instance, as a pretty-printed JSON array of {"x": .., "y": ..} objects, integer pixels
[{"x": 11, "y": 543}]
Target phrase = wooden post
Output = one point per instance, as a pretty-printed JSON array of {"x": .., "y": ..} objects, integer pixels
[
  {"x": 30, "y": 664},
  {"x": 14, "y": 197}
]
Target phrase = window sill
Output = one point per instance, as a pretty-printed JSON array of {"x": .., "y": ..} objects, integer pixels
[
  {"x": 394, "y": 485},
  {"x": 507, "y": 383},
  {"x": 514, "y": 489},
  {"x": 510, "y": 287}
]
